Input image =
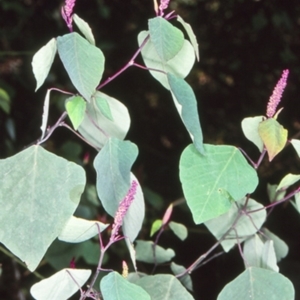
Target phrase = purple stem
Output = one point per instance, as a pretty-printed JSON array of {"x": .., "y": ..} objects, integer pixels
[{"x": 129, "y": 64}]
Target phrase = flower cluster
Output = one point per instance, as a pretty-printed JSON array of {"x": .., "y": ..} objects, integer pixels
[
  {"x": 122, "y": 210},
  {"x": 163, "y": 5},
  {"x": 66, "y": 12},
  {"x": 277, "y": 94}
]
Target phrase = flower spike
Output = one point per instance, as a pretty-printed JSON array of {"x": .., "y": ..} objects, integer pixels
[
  {"x": 277, "y": 94},
  {"x": 66, "y": 12},
  {"x": 122, "y": 210},
  {"x": 163, "y": 5}
]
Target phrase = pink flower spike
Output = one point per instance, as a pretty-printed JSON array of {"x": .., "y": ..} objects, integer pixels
[
  {"x": 277, "y": 94},
  {"x": 66, "y": 12},
  {"x": 122, "y": 210},
  {"x": 163, "y": 5}
]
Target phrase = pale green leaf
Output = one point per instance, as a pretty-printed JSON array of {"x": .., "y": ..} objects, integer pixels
[
  {"x": 269, "y": 260},
  {"x": 167, "y": 39},
  {"x": 132, "y": 253},
  {"x": 258, "y": 284},
  {"x": 97, "y": 128},
  {"x": 62, "y": 285},
  {"x": 287, "y": 181},
  {"x": 180, "y": 65},
  {"x": 84, "y": 28},
  {"x": 274, "y": 194},
  {"x": 185, "y": 280},
  {"x": 4, "y": 101},
  {"x": 154, "y": 199},
  {"x": 43, "y": 191},
  {"x": 261, "y": 254},
  {"x": 191, "y": 35},
  {"x": 280, "y": 247},
  {"x": 250, "y": 130},
  {"x": 133, "y": 220},
  {"x": 252, "y": 250},
  {"x": 42, "y": 62},
  {"x": 245, "y": 227},
  {"x": 164, "y": 287},
  {"x": 274, "y": 136},
  {"x": 114, "y": 287},
  {"x": 75, "y": 107},
  {"x": 113, "y": 164},
  {"x": 296, "y": 145},
  {"x": 156, "y": 225},
  {"x": 186, "y": 104},
  {"x": 78, "y": 230},
  {"x": 103, "y": 106},
  {"x": 144, "y": 252},
  {"x": 211, "y": 182},
  {"x": 83, "y": 62},
  {"x": 60, "y": 254},
  {"x": 179, "y": 230},
  {"x": 45, "y": 113}
]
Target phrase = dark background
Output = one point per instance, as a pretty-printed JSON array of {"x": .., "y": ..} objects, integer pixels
[{"x": 244, "y": 46}]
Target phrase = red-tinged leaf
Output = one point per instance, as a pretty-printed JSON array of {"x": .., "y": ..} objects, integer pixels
[{"x": 273, "y": 135}]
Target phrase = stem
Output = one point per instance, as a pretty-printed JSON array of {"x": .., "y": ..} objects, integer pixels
[
  {"x": 103, "y": 249},
  {"x": 154, "y": 247},
  {"x": 51, "y": 129},
  {"x": 199, "y": 260},
  {"x": 290, "y": 195},
  {"x": 129, "y": 64},
  {"x": 149, "y": 69},
  {"x": 80, "y": 136}
]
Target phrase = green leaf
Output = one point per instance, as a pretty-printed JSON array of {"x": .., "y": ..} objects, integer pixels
[
  {"x": 132, "y": 253},
  {"x": 250, "y": 130},
  {"x": 42, "y": 62},
  {"x": 133, "y": 220},
  {"x": 114, "y": 287},
  {"x": 287, "y": 181},
  {"x": 273, "y": 135},
  {"x": 144, "y": 252},
  {"x": 258, "y": 284},
  {"x": 186, "y": 279},
  {"x": 180, "y": 65},
  {"x": 211, "y": 182},
  {"x": 167, "y": 39},
  {"x": 296, "y": 145},
  {"x": 83, "y": 61},
  {"x": 60, "y": 254},
  {"x": 97, "y": 128},
  {"x": 4, "y": 101},
  {"x": 84, "y": 28},
  {"x": 45, "y": 114},
  {"x": 153, "y": 199},
  {"x": 179, "y": 230},
  {"x": 281, "y": 248},
  {"x": 78, "y": 230},
  {"x": 273, "y": 193},
  {"x": 260, "y": 254},
  {"x": 164, "y": 287},
  {"x": 103, "y": 106},
  {"x": 186, "y": 104},
  {"x": 75, "y": 107},
  {"x": 62, "y": 285},
  {"x": 156, "y": 225},
  {"x": 113, "y": 164},
  {"x": 191, "y": 35},
  {"x": 43, "y": 191},
  {"x": 245, "y": 227}
]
